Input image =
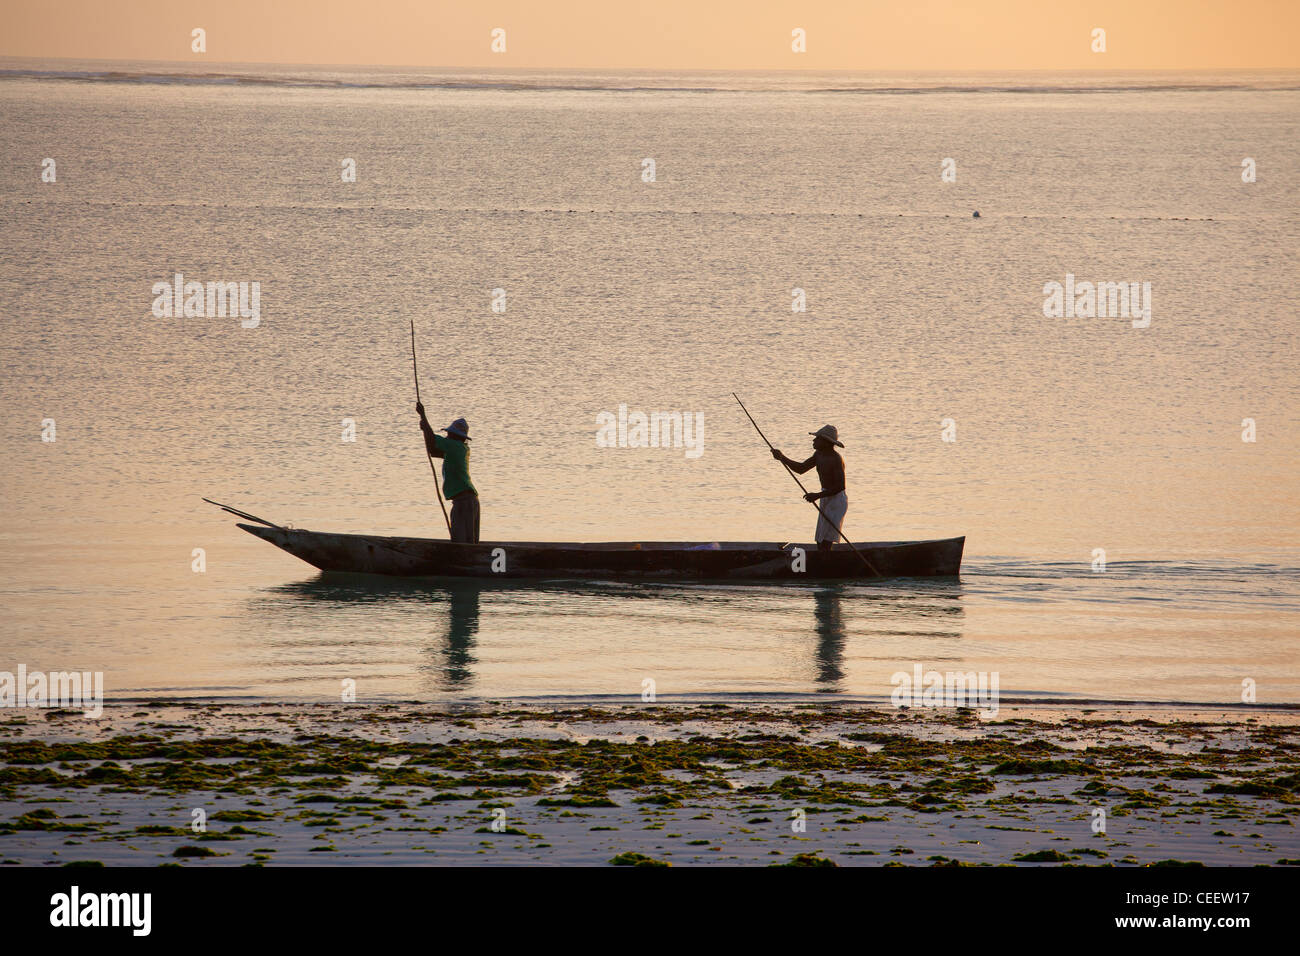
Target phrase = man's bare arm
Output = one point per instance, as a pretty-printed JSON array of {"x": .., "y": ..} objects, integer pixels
[{"x": 800, "y": 467}]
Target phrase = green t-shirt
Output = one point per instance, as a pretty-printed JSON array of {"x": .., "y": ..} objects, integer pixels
[{"x": 455, "y": 466}]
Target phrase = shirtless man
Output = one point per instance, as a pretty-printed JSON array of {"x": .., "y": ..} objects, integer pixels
[{"x": 832, "y": 502}]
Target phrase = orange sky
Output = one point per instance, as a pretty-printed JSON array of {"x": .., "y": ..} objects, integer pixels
[{"x": 860, "y": 35}]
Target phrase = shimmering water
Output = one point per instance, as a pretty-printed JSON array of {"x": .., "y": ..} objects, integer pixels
[{"x": 1072, "y": 434}]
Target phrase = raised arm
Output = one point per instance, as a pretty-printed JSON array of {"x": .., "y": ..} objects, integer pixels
[
  {"x": 430, "y": 439},
  {"x": 799, "y": 467}
]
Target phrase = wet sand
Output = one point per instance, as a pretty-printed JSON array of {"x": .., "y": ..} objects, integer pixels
[{"x": 681, "y": 784}]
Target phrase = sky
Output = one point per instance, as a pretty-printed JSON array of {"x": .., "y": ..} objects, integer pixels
[{"x": 857, "y": 35}]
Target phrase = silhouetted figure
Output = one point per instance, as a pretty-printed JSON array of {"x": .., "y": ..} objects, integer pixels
[
  {"x": 831, "y": 500},
  {"x": 456, "y": 486}
]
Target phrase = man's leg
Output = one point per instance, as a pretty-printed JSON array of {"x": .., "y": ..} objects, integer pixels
[
  {"x": 473, "y": 500},
  {"x": 832, "y": 518},
  {"x": 460, "y": 526}
]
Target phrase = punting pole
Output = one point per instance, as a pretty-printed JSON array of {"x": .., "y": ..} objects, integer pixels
[
  {"x": 244, "y": 514},
  {"x": 432, "y": 467}
]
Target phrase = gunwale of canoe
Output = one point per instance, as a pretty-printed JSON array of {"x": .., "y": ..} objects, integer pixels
[{"x": 736, "y": 561}]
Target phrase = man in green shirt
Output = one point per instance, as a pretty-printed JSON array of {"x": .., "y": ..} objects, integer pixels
[{"x": 456, "y": 486}]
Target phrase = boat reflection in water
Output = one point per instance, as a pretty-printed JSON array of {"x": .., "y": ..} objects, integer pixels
[
  {"x": 883, "y": 621},
  {"x": 593, "y": 639},
  {"x": 455, "y": 604}
]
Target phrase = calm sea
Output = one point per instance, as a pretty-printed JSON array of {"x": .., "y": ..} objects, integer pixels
[{"x": 1073, "y": 435}]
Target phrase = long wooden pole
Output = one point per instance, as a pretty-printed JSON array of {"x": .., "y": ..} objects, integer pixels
[
  {"x": 432, "y": 467},
  {"x": 838, "y": 531}
]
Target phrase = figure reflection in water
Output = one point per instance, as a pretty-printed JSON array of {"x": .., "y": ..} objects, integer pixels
[
  {"x": 462, "y": 607},
  {"x": 828, "y": 614}
]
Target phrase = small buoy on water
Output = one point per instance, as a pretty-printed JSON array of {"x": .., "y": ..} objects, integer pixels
[{"x": 977, "y": 214}]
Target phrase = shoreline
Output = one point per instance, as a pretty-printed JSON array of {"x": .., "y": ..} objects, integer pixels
[
  {"x": 774, "y": 700},
  {"x": 817, "y": 782}
]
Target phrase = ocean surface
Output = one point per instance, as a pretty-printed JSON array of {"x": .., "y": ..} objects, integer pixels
[{"x": 1073, "y": 435}]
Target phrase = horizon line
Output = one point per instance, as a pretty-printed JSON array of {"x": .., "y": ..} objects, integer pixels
[{"x": 1078, "y": 71}]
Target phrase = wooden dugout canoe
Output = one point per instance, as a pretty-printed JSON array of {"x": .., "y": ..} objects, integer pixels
[{"x": 733, "y": 561}]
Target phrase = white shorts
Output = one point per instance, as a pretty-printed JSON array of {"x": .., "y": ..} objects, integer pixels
[{"x": 834, "y": 508}]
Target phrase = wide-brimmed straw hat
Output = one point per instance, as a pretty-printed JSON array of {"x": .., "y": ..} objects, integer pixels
[
  {"x": 460, "y": 427},
  {"x": 830, "y": 433}
]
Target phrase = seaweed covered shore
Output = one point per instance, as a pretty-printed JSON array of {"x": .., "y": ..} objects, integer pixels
[{"x": 192, "y": 783}]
